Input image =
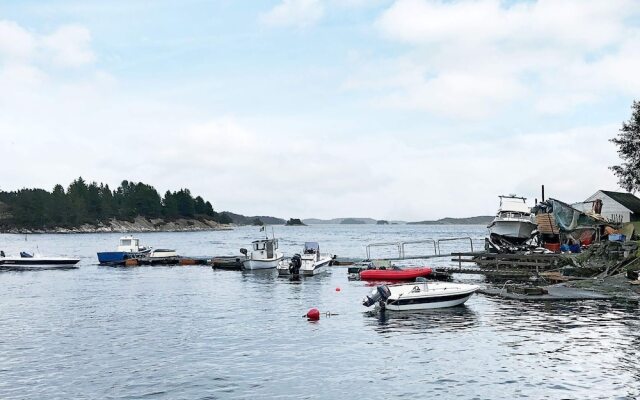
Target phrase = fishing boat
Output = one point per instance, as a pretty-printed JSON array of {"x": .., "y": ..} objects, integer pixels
[
  {"x": 394, "y": 274},
  {"x": 128, "y": 248},
  {"x": 264, "y": 254},
  {"x": 419, "y": 295},
  {"x": 310, "y": 262},
  {"x": 30, "y": 261},
  {"x": 514, "y": 220}
]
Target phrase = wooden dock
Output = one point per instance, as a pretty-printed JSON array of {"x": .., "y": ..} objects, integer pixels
[
  {"x": 536, "y": 262},
  {"x": 504, "y": 266}
]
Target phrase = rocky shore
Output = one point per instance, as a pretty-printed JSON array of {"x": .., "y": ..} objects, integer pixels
[{"x": 139, "y": 224}]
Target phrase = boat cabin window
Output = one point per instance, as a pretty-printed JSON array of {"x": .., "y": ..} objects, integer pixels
[
  {"x": 125, "y": 242},
  {"x": 258, "y": 246}
]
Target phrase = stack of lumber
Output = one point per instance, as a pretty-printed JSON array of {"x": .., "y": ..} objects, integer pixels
[{"x": 547, "y": 224}]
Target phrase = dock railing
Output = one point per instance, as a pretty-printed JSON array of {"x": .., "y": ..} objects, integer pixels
[{"x": 401, "y": 248}]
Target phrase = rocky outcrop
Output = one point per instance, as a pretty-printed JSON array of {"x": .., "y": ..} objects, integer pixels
[{"x": 139, "y": 224}]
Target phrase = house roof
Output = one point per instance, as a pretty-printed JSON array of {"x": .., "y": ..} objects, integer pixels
[{"x": 626, "y": 199}]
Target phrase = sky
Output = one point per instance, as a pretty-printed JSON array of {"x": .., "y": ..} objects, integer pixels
[{"x": 403, "y": 110}]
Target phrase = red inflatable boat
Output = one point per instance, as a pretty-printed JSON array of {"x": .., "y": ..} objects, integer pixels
[{"x": 394, "y": 274}]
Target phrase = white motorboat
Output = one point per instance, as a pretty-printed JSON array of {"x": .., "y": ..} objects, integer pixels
[
  {"x": 310, "y": 262},
  {"x": 264, "y": 254},
  {"x": 514, "y": 220},
  {"x": 30, "y": 261},
  {"x": 419, "y": 295},
  {"x": 163, "y": 253}
]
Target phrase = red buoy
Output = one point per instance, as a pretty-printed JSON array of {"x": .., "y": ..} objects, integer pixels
[
  {"x": 313, "y": 314},
  {"x": 337, "y": 289}
]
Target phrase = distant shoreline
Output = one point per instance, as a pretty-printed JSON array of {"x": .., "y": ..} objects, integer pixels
[{"x": 138, "y": 225}]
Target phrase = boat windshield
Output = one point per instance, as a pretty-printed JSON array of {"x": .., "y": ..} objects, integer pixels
[
  {"x": 515, "y": 215},
  {"x": 311, "y": 248}
]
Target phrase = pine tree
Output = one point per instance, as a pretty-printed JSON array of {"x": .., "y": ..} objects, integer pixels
[{"x": 628, "y": 142}]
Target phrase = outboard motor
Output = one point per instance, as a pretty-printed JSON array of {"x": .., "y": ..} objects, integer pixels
[
  {"x": 295, "y": 264},
  {"x": 379, "y": 294}
]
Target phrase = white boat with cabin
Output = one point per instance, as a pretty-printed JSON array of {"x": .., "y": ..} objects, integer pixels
[
  {"x": 128, "y": 247},
  {"x": 514, "y": 220},
  {"x": 310, "y": 262},
  {"x": 419, "y": 295},
  {"x": 264, "y": 254}
]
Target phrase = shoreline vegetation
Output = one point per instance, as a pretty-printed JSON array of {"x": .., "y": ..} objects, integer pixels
[
  {"x": 91, "y": 207},
  {"x": 138, "y": 207}
]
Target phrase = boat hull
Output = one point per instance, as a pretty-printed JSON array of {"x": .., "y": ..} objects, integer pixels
[
  {"x": 119, "y": 257},
  {"x": 311, "y": 268},
  {"x": 429, "y": 303},
  {"x": 262, "y": 264},
  {"x": 38, "y": 263},
  {"x": 419, "y": 295},
  {"x": 515, "y": 230},
  {"x": 394, "y": 274}
]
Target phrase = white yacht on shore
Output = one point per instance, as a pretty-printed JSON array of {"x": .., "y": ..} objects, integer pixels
[{"x": 514, "y": 220}]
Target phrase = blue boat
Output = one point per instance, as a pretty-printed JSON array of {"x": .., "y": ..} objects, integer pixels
[{"x": 128, "y": 248}]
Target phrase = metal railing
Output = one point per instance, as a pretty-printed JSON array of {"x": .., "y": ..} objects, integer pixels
[
  {"x": 383, "y": 244},
  {"x": 403, "y": 244},
  {"x": 401, "y": 247},
  {"x": 455, "y": 239}
]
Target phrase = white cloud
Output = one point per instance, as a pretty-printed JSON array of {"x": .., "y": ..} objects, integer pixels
[
  {"x": 589, "y": 24},
  {"x": 69, "y": 46},
  {"x": 16, "y": 43},
  {"x": 482, "y": 55},
  {"x": 298, "y": 13},
  {"x": 85, "y": 123}
]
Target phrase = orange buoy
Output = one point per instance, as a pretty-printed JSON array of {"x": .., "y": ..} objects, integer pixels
[{"x": 313, "y": 314}]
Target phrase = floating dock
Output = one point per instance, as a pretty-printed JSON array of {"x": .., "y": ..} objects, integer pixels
[{"x": 549, "y": 293}]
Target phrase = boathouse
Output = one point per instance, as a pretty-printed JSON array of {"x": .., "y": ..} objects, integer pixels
[{"x": 617, "y": 206}]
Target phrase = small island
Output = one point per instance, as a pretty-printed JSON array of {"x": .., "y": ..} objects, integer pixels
[
  {"x": 294, "y": 222},
  {"x": 352, "y": 221},
  {"x": 382, "y": 222}
]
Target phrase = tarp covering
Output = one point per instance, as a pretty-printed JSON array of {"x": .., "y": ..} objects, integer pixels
[{"x": 568, "y": 218}]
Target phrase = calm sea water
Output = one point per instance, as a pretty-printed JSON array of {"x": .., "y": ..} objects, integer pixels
[{"x": 197, "y": 333}]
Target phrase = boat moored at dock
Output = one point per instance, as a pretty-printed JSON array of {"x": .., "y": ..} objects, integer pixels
[
  {"x": 264, "y": 254},
  {"x": 310, "y": 262},
  {"x": 128, "y": 248},
  {"x": 394, "y": 274}
]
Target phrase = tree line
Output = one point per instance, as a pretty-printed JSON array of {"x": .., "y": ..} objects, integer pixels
[{"x": 93, "y": 203}]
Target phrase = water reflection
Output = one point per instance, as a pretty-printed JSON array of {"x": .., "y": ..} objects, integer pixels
[
  {"x": 445, "y": 319},
  {"x": 558, "y": 317}
]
